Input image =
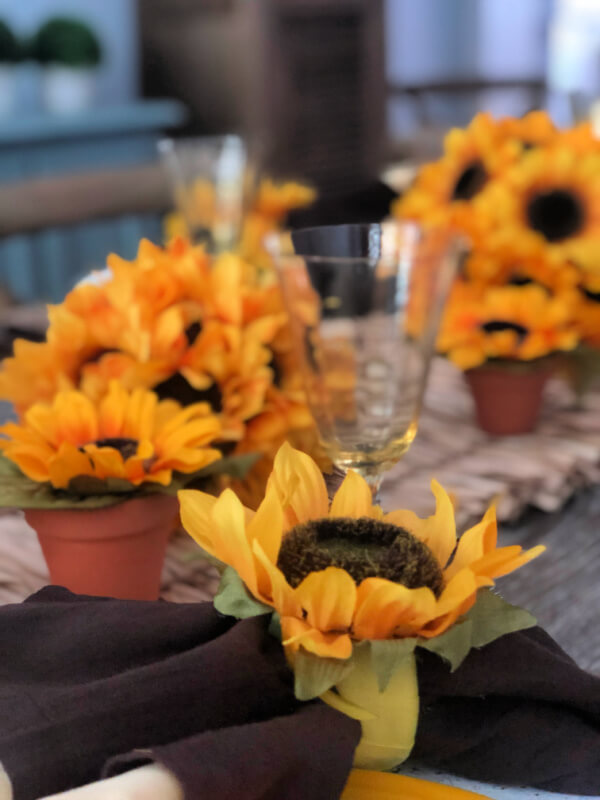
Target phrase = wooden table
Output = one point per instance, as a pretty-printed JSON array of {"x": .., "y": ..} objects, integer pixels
[{"x": 562, "y": 587}]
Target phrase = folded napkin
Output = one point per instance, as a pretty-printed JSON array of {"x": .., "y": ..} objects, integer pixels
[{"x": 90, "y": 687}]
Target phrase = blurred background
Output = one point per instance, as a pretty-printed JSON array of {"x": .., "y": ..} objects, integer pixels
[{"x": 344, "y": 94}]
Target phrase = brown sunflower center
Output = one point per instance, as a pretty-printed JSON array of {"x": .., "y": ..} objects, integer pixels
[
  {"x": 127, "y": 447},
  {"x": 364, "y": 547},
  {"x": 499, "y": 325},
  {"x": 518, "y": 279},
  {"x": 177, "y": 388},
  {"x": 470, "y": 181},
  {"x": 192, "y": 332},
  {"x": 557, "y": 214},
  {"x": 593, "y": 296}
]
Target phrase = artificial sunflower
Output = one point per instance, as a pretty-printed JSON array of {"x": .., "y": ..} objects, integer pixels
[
  {"x": 484, "y": 265},
  {"x": 346, "y": 575},
  {"x": 534, "y": 129},
  {"x": 548, "y": 203},
  {"x": 348, "y": 572},
  {"x": 472, "y": 157},
  {"x": 34, "y": 373},
  {"x": 276, "y": 200},
  {"x": 586, "y": 312},
  {"x": 518, "y": 323},
  {"x": 129, "y": 436}
]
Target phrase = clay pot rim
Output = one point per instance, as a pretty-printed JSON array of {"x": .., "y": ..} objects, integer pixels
[
  {"x": 514, "y": 367},
  {"x": 107, "y": 522}
]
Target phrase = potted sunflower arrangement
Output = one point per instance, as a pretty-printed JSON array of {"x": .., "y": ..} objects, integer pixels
[
  {"x": 354, "y": 593},
  {"x": 583, "y": 365},
  {"x": 176, "y": 368},
  {"x": 527, "y": 197}
]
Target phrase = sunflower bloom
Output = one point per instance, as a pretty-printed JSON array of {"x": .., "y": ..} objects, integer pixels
[
  {"x": 472, "y": 157},
  {"x": 505, "y": 322},
  {"x": 348, "y": 572},
  {"x": 129, "y": 436},
  {"x": 549, "y": 203},
  {"x": 275, "y": 200},
  {"x": 586, "y": 312}
]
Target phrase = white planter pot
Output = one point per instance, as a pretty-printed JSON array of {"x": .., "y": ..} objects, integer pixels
[
  {"x": 66, "y": 90},
  {"x": 8, "y": 78}
]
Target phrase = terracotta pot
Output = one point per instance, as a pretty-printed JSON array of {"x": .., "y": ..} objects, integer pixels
[
  {"x": 111, "y": 552},
  {"x": 507, "y": 403}
]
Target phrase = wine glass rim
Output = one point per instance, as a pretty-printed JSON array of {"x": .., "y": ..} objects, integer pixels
[
  {"x": 280, "y": 246},
  {"x": 170, "y": 143}
]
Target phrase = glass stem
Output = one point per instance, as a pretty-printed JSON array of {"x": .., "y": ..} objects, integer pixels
[
  {"x": 334, "y": 479},
  {"x": 374, "y": 482}
]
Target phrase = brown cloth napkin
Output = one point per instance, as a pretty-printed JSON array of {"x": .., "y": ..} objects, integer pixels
[
  {"x": 83, "y": 680},
  {"x": 518, "y": 711},
  {"x": 89, "y": 687}
]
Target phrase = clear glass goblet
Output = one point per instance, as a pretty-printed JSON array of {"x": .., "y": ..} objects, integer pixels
[
  {"x": 212, "y": 178},
  {"x": 365, "y": 303}
]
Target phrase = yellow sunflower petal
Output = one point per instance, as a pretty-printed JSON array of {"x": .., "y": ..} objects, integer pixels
[
  {"x": 300, "y": 486},
  {"x": 69, "y": 462},
  {"x": 456, "y": 599},
  {"x": 328, "y": 597},
  {"x": 266, "y": 526},
  {"x": 230, "y": 531},
  {"x": 195, "y": 509},
  {"x": 295, "y": 632},
  {"x": 31, "y": 460},
  {"x": 504, "y": 560},
  {"x": 353, "y": 498},
  {"x": 278, "y": 593},
  {"x": 474, "y": 543},
  {"x": 385, "y": 609},
  {"x": 438, "y": 532}
]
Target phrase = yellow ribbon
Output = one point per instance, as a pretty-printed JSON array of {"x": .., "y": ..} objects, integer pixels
[{"x": 388, "y": 719}]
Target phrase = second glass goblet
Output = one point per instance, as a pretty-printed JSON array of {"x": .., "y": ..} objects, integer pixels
[
  {"x": 212, "y": 178},
  {"x": 365, "y": 303}
]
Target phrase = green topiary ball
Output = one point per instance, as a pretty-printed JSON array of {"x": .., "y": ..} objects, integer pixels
[
  {"x": 66, "y": 41},
  {"x": 10, "y": 51}
]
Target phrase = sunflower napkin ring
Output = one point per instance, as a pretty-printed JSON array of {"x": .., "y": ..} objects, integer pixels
[{"x": 353, "y": 591}]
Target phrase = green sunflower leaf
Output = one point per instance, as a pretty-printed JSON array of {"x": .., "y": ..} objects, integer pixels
[
  {"x": 19, "y": 491},
  {"x": 87, "y": 491},
  {"x": 234, "y": 466},
  {"x": 234, "y": 600},
  {"x": 490, "y": 618},
  {"x": 313, "y": 675},
  {"x": 453, "y": 645},
  {"x": 86, "y": 485},
  {"x": 275, "y": 626},
  {"x": 387, "y": 655}
]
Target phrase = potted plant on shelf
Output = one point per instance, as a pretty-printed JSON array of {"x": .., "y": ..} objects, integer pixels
[
  {"x": 69, "y": 52},
  {"x": 10, "y": 55},
  {"x": 527, "y": 198}
]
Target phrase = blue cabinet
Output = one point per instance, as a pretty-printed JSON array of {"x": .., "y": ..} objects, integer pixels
[{"x": 44, "y": 264}]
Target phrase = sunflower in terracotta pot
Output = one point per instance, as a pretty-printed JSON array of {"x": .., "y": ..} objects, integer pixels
[
  {"x": 353, "y": 590},
  {"x": 505, "y": 339},
  {"x": 97, "y": 481},
  {"x": 526, "y": 197}
]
